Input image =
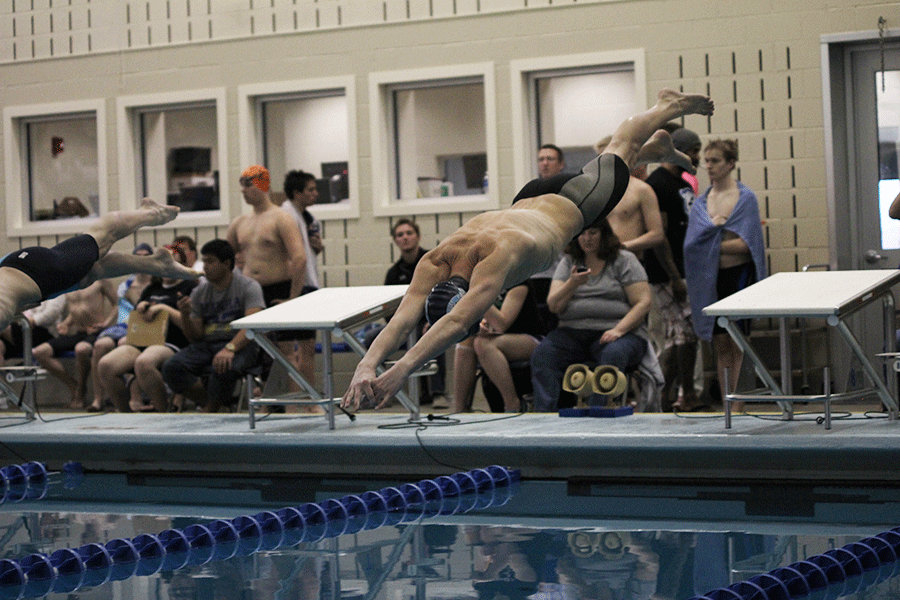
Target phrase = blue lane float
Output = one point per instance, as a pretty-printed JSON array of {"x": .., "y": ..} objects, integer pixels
[
  {"x": 30, "y": 481},
  {"x": 151, "y": 554},
  {"x": 833, "y": 574},
  {"x": 93, "y": 564},
  {"x": 376, "y": 509},
  {"x": 39, "y": 575},
  {"x": 177, "y": 548}
]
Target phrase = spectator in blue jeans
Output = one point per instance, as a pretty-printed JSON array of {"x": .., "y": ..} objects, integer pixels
[
  {"x": 206, "y": 316},
  {"x": 602, "y": 297}
]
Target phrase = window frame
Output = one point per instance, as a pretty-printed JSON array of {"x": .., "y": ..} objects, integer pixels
[
  {"x": 250, "y": 126},
  {"x": 129, "y": 110},
  {"x": 523, "y": 75},
  {"x": 18, "y": 223},
  {"x": 381, "y": 86}
]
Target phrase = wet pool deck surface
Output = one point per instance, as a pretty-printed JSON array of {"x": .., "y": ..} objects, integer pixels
[{"x": 642, "y": 448}]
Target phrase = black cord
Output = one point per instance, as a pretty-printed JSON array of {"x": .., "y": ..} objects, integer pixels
[
  {"x": 696, "y": 416},
  {"x": 441, "y": 421}
]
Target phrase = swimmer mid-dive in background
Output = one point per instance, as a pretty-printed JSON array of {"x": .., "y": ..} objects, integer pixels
[
  {"x": 31, "y": 275},
  {"x": 455, "y": 283}
]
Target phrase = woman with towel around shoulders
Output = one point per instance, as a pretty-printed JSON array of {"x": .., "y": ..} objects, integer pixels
[{"x": 723, "y": 252}]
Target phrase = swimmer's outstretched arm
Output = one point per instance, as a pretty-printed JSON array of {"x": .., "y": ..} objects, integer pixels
[
  {"x": 447, "y": 331},
  {"x": 397, "y": 331}
]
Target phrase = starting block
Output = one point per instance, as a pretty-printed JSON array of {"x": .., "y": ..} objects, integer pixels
[
  {"x": 22, "y": 373},
  {"x": 892, "y": 355}
]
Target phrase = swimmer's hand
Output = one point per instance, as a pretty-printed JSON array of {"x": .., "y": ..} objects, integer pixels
[
  {"x": 366, "y": 390},
  {"x": 360, "y": 393},
  {"x": 387, "y": 385}
]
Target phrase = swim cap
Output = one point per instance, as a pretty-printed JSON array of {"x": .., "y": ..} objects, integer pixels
[
  {"x": 259, "y": 175},
  {"x": 443, "y": 297}
]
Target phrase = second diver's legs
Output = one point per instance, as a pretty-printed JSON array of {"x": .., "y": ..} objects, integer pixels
[
  {"x": 113, "y": 226},
  {"x": 118, "y": 264}
]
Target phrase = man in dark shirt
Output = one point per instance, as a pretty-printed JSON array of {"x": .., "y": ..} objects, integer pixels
[
  {"x": 406, "y": 237},
  {"x": 665, "y": 272}
]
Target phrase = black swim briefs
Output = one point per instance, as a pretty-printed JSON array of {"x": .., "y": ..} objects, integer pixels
[{"x": 59, "y": 269}]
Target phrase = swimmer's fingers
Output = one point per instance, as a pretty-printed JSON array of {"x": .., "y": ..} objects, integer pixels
[{"x": 358, "y": 395}]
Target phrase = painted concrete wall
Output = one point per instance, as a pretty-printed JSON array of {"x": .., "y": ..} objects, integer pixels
[{"x": 759, "y": 59}]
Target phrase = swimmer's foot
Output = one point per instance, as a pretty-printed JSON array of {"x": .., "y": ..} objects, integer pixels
[
  {"x": 686, "y": 104},
  {"x": 659, "y": 148},
  {"x": 158, "y": 214},
  {"x": 169, "y": 267}
]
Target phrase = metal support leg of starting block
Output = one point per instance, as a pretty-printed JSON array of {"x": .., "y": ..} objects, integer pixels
[{"x": 28, "y": 373}]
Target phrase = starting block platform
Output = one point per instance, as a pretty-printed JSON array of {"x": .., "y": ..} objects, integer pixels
[{"x": 335, "y": 312}]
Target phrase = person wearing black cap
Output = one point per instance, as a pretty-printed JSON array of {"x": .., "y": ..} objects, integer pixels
[
  {"x": 499, "y": 249},
  {"x": 665, "y": 271}
]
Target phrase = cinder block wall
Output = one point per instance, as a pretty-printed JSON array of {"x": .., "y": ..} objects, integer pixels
[{"x": 759, "y": 59}]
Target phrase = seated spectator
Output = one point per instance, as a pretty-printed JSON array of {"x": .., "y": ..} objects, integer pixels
[
  {"x": 206, "y": 317},
  {"x": 128, "y": 293},
  {"x": 510, "y": 331},
  {"x": 161, "y": 295},
  {"x": 189, "y": 246},
  {"x": 602, "y": 297},
  {"x": 88, "y": 312}
]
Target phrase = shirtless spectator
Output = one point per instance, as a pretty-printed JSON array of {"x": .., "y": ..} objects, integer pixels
[
  {"x": 270, "y": 250},
  {"x": 88, "y": 312},
  {"x": 635, "y": 220},
  {"x": 638, "y": 224}
]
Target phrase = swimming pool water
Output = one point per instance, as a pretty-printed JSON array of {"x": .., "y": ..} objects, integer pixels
[{"x": 576, "y": 539}]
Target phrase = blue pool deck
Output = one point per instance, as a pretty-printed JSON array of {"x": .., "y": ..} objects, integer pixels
[{"x": 639, "y": 449}]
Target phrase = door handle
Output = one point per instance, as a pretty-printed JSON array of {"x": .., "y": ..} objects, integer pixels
[{"x": 872, "y": 257}]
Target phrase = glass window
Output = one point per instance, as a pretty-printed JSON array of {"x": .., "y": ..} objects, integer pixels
[
  {"x": 887, "y": 86},
  {"x": 439, "y": 133},
  {"x": 433, "y": 140},
  {"x": 62, "y": 167},
  {"x": 307, "y": 125},
  {"x": 179, "y": 155},
  {"x": 308, "y": 132},
  {"x": 572, "y": 101},
  {"x": 576, "y": 108},
  {"x": 55, "y": 158},
  {"x": 172, "y": 148}
]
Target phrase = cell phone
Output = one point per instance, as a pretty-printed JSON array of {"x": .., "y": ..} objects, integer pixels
[{"x": 581, "y": 269}]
